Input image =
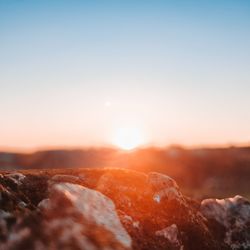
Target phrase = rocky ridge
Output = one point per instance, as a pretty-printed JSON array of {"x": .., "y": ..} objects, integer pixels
[{"x": 118, "y": 209}]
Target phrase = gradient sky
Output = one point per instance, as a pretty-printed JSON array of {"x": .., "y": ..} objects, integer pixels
[{"x": 74, "y": 72}]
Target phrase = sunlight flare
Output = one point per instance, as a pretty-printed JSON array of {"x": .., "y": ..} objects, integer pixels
[{"x": 128, "y": 138}]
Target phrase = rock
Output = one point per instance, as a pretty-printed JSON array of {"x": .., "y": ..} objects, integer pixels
[
  {"x": 9, "y": 199},
  {"x": 44, "y": 204},
  {"x": 34, "y": 188},
  {"x": 160, "y": 181},
  {"x": 64, "y": 178},
  {"x": 96, "y": 209},
  {"x": 73, "y": 217},
  {"x": 17, "y": 178},
  {"x": 171, "y": 233},
  {"x": 164, "y": 187},
  {"x": 13, "y": 180},
  {"x": 5, "y": 220},
  {"x": 154, "y": 200},
  {"x": 233, "y": 214},
  {"x": 105, "y": 209},
  {"x": 22, "y": 205}
]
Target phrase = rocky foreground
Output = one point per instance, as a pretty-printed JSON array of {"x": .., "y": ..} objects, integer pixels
[{"x": 94, "y": 209}]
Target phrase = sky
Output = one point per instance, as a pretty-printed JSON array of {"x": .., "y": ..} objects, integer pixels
[{"x": 77, "y": 73}]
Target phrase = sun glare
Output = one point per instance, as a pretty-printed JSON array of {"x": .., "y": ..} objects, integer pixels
[{"x": 128, "y": 138}]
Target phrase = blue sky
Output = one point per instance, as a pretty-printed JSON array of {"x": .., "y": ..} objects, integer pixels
[{"x": 177, "y": 70}]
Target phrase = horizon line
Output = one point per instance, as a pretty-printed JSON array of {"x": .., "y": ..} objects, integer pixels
[{"x": 30, "y": 150}]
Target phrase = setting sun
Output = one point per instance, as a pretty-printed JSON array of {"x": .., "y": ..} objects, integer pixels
[{"x": 128, "y": 138}]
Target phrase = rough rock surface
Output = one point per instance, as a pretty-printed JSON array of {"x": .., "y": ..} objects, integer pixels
[
  {"x": 87, "y": 205},
  {"x": 94, "y": 209},
  {"x": 233, "y": 216}
]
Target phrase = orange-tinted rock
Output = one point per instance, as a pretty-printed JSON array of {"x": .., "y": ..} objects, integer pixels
[{"x": 100, "y": 209}]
